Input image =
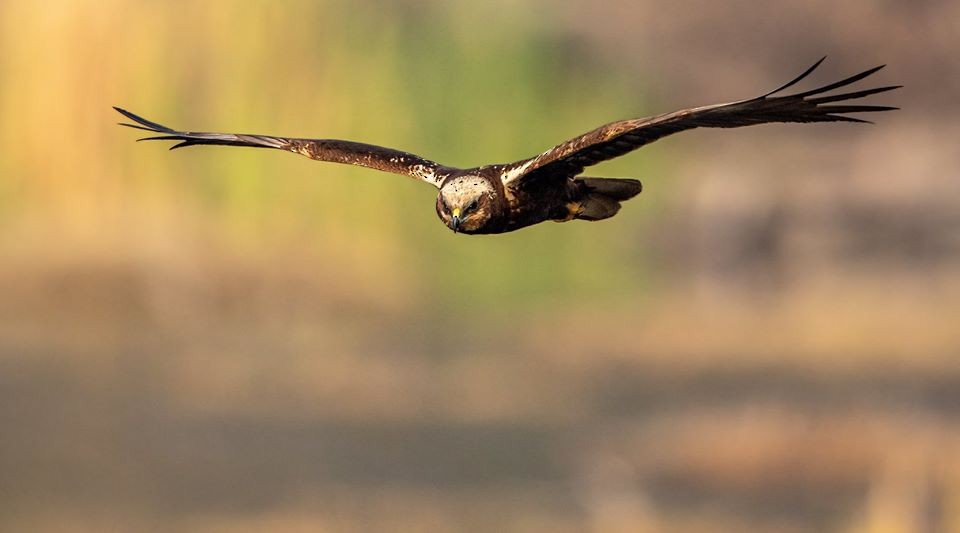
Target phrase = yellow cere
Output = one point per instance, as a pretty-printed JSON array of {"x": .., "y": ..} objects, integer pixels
[{"x": 456, "y": 211}]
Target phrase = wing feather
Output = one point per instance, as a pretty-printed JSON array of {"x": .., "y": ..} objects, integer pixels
[
  {"x": 618, "y": 138},
  {"x": 331, "y": 150}
]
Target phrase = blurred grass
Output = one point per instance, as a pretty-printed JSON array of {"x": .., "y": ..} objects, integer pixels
[{"x": 453, "y": 82}]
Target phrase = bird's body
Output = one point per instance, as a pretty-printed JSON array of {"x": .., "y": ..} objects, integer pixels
[
  {"x": 506, "y": 197},
  {"x": 505, "y": 209}
]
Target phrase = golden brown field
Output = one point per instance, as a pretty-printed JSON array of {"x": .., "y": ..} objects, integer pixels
[{"x": 220, "y": 339}]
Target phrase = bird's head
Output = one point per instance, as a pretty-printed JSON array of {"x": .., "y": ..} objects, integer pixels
[{"x": 466, "y": 203}]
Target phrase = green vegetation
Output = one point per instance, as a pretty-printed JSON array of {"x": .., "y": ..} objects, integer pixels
[{"x": 443, "y": 82}]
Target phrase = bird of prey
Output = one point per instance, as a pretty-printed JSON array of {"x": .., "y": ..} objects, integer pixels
[{"x": 505, "y": 197}]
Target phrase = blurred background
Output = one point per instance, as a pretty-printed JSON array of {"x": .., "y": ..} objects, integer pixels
[{"x": 240, "y": 340}]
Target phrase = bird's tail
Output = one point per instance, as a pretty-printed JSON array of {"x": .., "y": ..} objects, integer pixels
[{"x": 602, "y": 196}]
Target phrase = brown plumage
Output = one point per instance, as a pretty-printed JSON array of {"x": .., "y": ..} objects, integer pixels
[{"x": 505, "y": 197}]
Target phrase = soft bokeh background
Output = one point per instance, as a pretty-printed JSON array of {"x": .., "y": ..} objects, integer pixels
[{"x": 240, "y": 340}]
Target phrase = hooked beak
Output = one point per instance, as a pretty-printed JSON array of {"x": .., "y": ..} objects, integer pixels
[{"x": 456, "y": 220}]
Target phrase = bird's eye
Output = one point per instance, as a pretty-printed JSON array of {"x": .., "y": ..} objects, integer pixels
[{"x": 473, "y": 205}]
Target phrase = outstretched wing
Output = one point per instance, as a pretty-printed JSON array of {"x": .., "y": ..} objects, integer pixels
[
  {"x": 618, "y": 138},
  {"x": 332, "y": 150}
]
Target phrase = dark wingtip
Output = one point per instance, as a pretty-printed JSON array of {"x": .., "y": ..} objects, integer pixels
[
  {"x": 135, "y": 126},
  {"x": 796, "y": 80},
  {"x": 126, "y": 113},
  {"x": 144, "y": 123},
  {"x": 852, "y": 96},
  {"x": 843, "y": 118},
  {"x": 842, "y": 83},
  {"x": 856, "y": 108}
]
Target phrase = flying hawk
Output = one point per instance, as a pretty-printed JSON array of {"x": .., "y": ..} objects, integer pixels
[{"x": 505, "y": 197}]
